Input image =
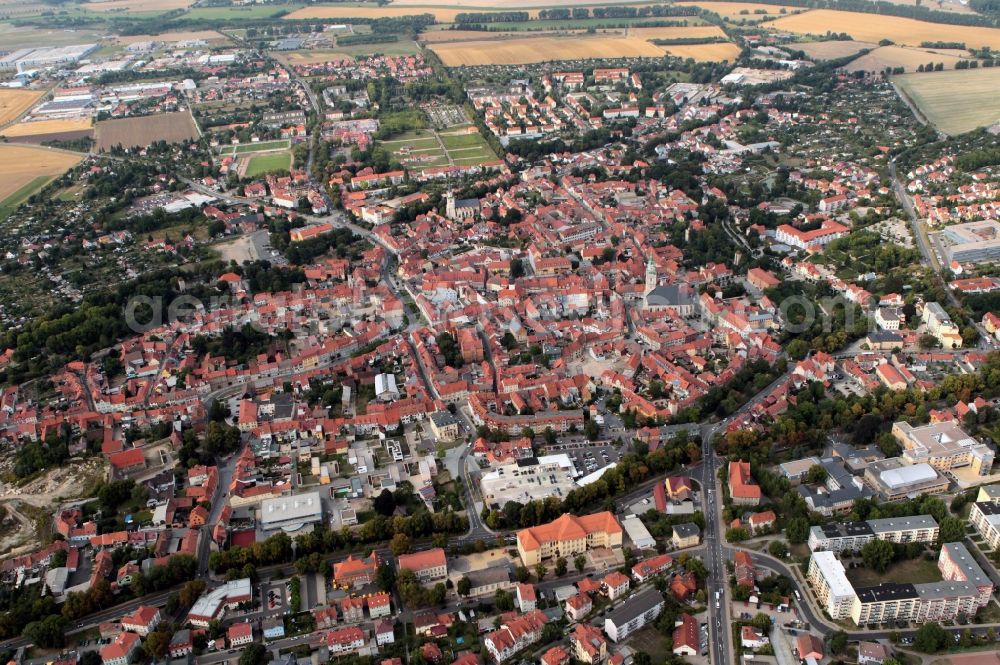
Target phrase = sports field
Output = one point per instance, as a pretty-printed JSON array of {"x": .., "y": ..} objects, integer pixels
[
  {"x": 957, "y": 101},
  {"x": 875, "y": 27},
  {"x": 424, "y": 147},
  {"x": 15, "y": 102},
  {"x": 900, "y": 56},
  {"x": 259, "y": 164},
  {"x": 46, "y": 127},
  {"x": 21, "y": 166},
  {"x": 262, "y": 146}
]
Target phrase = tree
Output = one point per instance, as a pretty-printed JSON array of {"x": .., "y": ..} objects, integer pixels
[
  {"x": 952, "y": 530},
  {"x": 385, "y": 578},
  {"x": 838, "y": 642},
  {"x": 815, "y": 475},
  {"x": 540, "y": 571},
  {"x": 49, "y": 633},
  {"x": 797, "y": 530},
  {"x": 464, "y": 586},
  {"x": 580, "y": 561},
  {"x": 560, "y": 567},
  {"x": 254, "y": 654},
  {"x": 778, "y": 549},
  {"x": 878, "y": 554},
  {"x": 157, "y": 643},
  {"x": 503, "y": 600},
  {"x": 384, "y": 503},
  {"x": 400, "y": 544},
  {"x": 930, "y": 638}
]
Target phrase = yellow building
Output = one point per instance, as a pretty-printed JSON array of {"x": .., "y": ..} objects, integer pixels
[{"x": 568, "y": 536}]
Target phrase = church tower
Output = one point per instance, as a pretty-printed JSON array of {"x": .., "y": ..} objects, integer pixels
[
  {"x": 650, "y": 277},
  {"x": 449, "y": 210}
]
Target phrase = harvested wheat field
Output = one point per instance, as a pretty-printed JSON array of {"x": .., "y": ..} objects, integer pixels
[
  {"x": 491, "y": 5},
  {"x": 22, "y": 165},
  {"x": 686, "y": 32},
  {"x": 292, "y": 58},
  {"x": 832, "y": 49},
  {"x": 732, "y": 10},
  {"x": 191, "y": 35},
  {"x": 874, "y": 27},
  {"x": 15, "y": 102},
  {"x": 142, "y": 131},
  {"x": 543, "y": 49},
  {"x": 444, "y": 36},
  {"x": 957, "y": 101},
  {"x": 137, "y": 5},
  {"x": 899, "y": 56},
  {"x": 705, "y": 52},
  {"x": 46, "y": 127}
]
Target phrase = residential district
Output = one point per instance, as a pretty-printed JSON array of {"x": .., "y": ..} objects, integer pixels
[{"x": 321, "y": 346}]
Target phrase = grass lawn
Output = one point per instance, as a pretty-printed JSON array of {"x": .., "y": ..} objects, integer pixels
[
  {"x": 280, "y": 161},
  {"x": 261, "y": 147},
  {"x": 10, "y": 204},
  {"x": 648, "y": 640},
  {"x": 915, "y": 571}
]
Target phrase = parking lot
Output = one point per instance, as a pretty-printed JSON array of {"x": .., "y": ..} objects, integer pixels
[{"x": 586, "y": 457}]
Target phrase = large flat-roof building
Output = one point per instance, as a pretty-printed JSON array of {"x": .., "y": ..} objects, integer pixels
[
  {"x": 567, "y": 536},
  {"x": 213, "y": 604},
  {"x": 638, "y": 611},
  {"x": 972, "y": 242},
  {"x": 943, "y": 445},
  {"x": 851, "y": 536},
  {"x": 524, "y": 480},
  {"x": 894, "y": 480},
  {"x": 957, "y": 564},
  {"x": 829, "y": 581},
  {"x": 290, "y": 513}
]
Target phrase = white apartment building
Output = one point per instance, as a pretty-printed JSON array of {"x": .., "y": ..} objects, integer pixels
[{"x": 829, "y": 581}]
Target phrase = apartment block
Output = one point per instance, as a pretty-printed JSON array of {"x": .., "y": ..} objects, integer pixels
[
  {"x": 851, "y": 536},
  {"x": 827, "y": 577},
  {"x": 640, "y": 610},
  {"x": 985, "y": 517}
]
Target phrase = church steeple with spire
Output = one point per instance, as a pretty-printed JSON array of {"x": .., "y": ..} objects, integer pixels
[{"x": 650, "y": 277}]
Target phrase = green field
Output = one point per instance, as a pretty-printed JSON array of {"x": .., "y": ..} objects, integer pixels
[
  {"x": 260, "y": 164},
  {"x": 955, "y": 101},
  {"x": 10, "y": 204},
  {"x": 263, "y": 146},
  {"x": 237, "y": 13}
]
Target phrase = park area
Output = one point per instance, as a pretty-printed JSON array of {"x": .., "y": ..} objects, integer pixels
[
  {"x": 142, "y": 131},
  {"x": 461, "y": 146},
  {"x": 25, "y": 169},
  {"x": 875, "y": 27},
  {"x": 954, "y": 101}
]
